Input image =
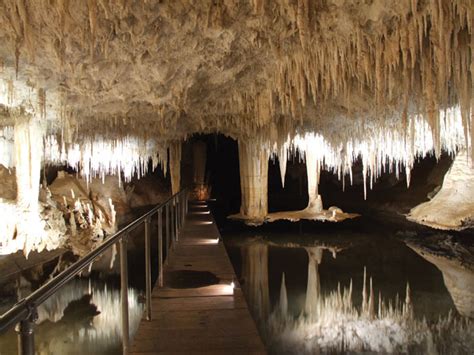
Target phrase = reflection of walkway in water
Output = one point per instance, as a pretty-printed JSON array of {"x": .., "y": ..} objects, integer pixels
[{"x": 331, "y": 322}]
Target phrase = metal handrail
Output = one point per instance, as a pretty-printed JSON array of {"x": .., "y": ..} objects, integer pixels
[{"x": 24, "y": 312}]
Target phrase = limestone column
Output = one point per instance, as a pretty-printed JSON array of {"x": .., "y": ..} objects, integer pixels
[
  {"x": 313, "y": 168},
  {"x": 175, "y": 166},
  {"x": 253, "y": 161},
  {"x": 199, "y": 167},
  {"x": 28, "y": 147}
]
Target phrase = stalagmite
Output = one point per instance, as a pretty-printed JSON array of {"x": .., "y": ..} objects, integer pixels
[
  {"x": 175, "y": 166},
  {"x": 453, "y": 206}
]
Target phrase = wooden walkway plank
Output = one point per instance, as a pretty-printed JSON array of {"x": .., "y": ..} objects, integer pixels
[{"x": 210, "y": 318}]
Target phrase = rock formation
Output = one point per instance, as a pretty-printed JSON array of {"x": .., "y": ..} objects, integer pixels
[
  {"x": 453, "y": 205},
  {"x": 110, "y": 86}
]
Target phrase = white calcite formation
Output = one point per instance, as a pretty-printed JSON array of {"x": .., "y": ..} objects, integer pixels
[
  {"x": 452, "y": 207},
  {"x": 314, "y": 148},
  {"x": 91, "y": 210},
  {"x": 115, "y": 84},
  {"x": 253, "y": 165},
  {"x": 175, "y": 166}
]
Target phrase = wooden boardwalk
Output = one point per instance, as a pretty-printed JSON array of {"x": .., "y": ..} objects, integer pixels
[{"x": 197, "y": 310}]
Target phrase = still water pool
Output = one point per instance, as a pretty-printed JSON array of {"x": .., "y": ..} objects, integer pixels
[{"x": 342, "y": 291}]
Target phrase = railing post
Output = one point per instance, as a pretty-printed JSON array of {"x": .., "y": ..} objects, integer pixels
[
  {"x": 168, "y": 239},
  {"x": 178, "y": 216},
  {"x": 180, "y": 207},
  {"x": 124, "y": 293},
  {"x": 176, "y": 204},
  {"x": 183, "y": 207},
  {"x": 160, "y": 248},
  {"x": 148, "y": 267},
  {"x": 187, "y": 203},
  {"x": 26, "y": 335},
  {"x": 173, "y": 230}
]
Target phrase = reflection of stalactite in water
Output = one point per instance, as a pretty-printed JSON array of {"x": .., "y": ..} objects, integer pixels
[
  {"x": 336, "y": 325},
  {"x": 313, "y": 289},
  {"x": 255, "y": 274},
  {"x": 283, "y": 304},
  {"x": 101, "y": 333}
]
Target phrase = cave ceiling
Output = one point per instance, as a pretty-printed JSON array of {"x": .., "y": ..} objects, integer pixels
[{"x": 172, "y": 68}]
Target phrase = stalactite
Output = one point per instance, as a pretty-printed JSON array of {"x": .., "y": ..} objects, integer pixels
[
  {"x": 42, "y": 103},
  {"x": 92, "y": 7},
  {"x": 282, "y": 161},
  {"x": 377, "y": 92},
  {"x": 28, "y": 156},
  {"x": 99, "y": 157}
]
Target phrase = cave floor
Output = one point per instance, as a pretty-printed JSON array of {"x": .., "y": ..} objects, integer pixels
[{"x": 198, "y": 310}]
